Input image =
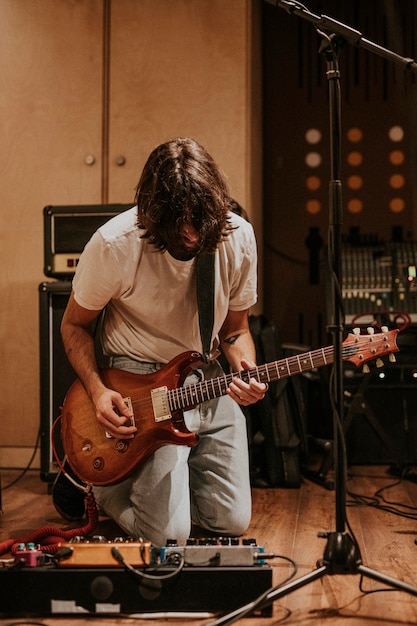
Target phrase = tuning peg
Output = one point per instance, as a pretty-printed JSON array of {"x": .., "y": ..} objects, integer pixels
[
  {"x": 370, "y": 330},
  {"x": 379, "y": 363},
  {"x": 384, "y": 329},
  {"x": 356, "y": 331},
  {"x": 366, "y": 369},
  {"x": 392, "y": 358}
]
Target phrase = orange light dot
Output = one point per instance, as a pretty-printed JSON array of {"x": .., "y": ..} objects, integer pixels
[
  {"x": 397, "y": 205},
  {"x": 355, "y": 135},
  {"x": 397, "y": 157},
  {"x": 313, "y": 207},
  {"x": 355, "y": 206},
  {"x": 313, "y": 183},
  {"x": 355, "y": 182},
  {"x": 355, "y": 158},
  {"x": 397, "y": 181}
]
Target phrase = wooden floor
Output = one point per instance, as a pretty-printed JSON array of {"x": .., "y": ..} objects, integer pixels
[{"x": 286, "y": 523}]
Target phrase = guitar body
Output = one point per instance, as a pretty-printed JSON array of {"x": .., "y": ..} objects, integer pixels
[
  {"x": 158, "y": 400},
  {"x": 100, "y": 460}
]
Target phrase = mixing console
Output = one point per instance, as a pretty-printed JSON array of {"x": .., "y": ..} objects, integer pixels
[{"x": 380, "y": 280}]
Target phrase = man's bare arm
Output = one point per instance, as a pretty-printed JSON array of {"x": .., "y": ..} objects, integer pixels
[
  {"x": 238, "y": 347},
  {"x": 79, "y": 345}
]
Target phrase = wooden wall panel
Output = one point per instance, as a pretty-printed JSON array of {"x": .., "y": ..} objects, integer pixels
[
  {"x": 178, "y": 69},
  {"x": 50, "y": 116}
]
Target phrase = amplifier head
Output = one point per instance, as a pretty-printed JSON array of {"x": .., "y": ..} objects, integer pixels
[{"x": 66, "y": 231}]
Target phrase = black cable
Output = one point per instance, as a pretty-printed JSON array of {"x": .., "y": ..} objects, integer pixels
[
  {"x": 28, "y": 466},
  {"x": 389, "y": 507},
  {"x": 177, "y": 559},
  {"x": 380, "y": 491},
  {"x": 283, "y": 255},
  {"x": 259, "y": 603}
]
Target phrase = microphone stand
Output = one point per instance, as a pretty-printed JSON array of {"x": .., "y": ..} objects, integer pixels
[{"x": 341, "y": 555}]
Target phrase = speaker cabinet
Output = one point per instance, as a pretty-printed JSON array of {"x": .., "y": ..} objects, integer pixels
[{"x": 56, "y": 373}]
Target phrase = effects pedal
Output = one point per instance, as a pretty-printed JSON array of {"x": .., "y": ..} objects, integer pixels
[
  {"x": 97, "y": 552},
  {"x": 213, "y": 551},
  {"x": 29, "y": 555}
]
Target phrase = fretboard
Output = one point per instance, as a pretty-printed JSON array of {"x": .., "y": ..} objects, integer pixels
[{"x": 196, "y": 393}]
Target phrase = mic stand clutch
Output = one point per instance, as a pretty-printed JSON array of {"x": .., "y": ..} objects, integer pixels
[{"x": 341, "y": 555}]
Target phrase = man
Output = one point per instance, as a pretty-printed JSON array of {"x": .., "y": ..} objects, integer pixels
[{"x": 141, "y": 268}]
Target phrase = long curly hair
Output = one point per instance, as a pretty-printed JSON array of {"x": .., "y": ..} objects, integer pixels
[{"x": 181, "y": 184}]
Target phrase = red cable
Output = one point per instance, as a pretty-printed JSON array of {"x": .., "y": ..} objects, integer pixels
[
  {"x": 49, "y": 537},
  {"x": 400, "y": 319}
]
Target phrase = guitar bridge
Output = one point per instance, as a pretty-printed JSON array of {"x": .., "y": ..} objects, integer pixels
[{"x": 160, "y": 404}]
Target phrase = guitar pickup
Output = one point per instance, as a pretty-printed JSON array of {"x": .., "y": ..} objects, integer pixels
[
  {"x": 130, "y": 421},
  {"x": 160, "y": 404}
]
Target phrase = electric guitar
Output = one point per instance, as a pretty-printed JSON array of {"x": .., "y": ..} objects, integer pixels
[{"x": 159, "y": 399}]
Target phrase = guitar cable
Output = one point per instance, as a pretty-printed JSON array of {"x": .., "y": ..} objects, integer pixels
[
  {"x": 151, "y": 580},
  {"x": 61, "y": 464}
]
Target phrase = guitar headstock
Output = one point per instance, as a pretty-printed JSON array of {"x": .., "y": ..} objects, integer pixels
[{"x": 359, "y": 349}]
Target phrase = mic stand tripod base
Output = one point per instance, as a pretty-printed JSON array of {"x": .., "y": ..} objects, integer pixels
[{"x": 341, "y": 556}]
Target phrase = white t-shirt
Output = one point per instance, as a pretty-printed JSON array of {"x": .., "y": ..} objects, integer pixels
[{"x": 151, "y": 298}]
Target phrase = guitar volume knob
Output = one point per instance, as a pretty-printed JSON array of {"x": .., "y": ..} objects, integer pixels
[
  {"x": 121, "y": 445},
  {"x": 98, "y": 463}
]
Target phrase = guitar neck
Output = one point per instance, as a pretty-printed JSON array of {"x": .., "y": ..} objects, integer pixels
[{"x": 188, "y": 396}]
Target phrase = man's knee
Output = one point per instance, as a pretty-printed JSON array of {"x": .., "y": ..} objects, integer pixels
[
  {"x": 229, "y": 523},
  {"x": 160, "y": 535}
]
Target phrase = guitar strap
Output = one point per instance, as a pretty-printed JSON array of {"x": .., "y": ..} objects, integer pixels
[{"x": 205, "y": 299}]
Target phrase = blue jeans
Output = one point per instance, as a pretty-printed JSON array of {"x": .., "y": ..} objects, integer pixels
[{"x": 208, "y": 484}]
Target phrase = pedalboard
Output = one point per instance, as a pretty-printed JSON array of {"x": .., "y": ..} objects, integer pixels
[
  {"x": 48, "y": 590},
  {"x": 203, "y": 578}
]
